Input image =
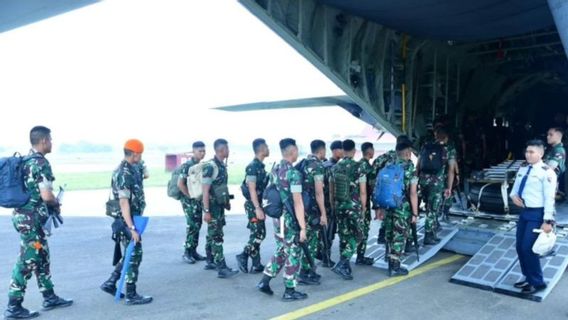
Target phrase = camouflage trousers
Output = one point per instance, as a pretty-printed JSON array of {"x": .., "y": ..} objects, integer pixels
[
  {"x": 215, "y": 233},
  {"x": 349, "y": 230},
  {"x": 34, "y": 256},
  {"x": 257, "y": 231},
  {"x": 397, "y": 229},
  {"x": 432, "y": 192},
  {"x": 288, "y": 253},
  {"x": 135, "y": 261},
  {"x": 312, "y": 233},
  {"x": 365, "y": 228},
  {"x": 193, "y": 218}
]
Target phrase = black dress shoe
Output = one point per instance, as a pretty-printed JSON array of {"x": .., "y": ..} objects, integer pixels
[
  {"x": 521, "y": 284},
  {"x": 293, "y": 295},
  {"x": 533, "y": 289}
]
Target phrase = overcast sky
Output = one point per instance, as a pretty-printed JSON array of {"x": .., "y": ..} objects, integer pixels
[{"x": 152, "y": 69}]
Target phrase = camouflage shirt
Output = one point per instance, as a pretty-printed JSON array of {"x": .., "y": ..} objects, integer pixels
[
  {"x": 313, "y": 171},
  {"x": 218, "y": 189},
  {"x": 184, "y": 169},
  {"x": 127, "y": 184},
  {"x": 256, "y": 173},
  {"x": 37, "y": 176},
  {"x": 555, "y": 157},
  {"x": 288, "y": 180},
  {"x": 355, "y": 180}
]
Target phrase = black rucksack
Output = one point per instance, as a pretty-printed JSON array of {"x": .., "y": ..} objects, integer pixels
[
  {"x": 432, "y": 158},
  {"x": 13, "y": 193},
  {"x": 271, "y": 202}
]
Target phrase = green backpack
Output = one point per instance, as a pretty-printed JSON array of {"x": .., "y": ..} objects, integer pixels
[
  {"x": 173, "y": 189},
  {"x": 342, "y": 176}
]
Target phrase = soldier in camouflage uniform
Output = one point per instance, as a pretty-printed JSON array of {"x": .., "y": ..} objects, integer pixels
[
  {"x": 290, "y": 228},
  {"x": 215, "y": 201},
  {"x": 379, "y": 163},
  {"x": 128, "y": 191},
  {"x": 192, "y": 208},
  {"x": 255, "y": 182},
  {"x": 398, "y": 227},
  {"x": 438, "y": 185},
  {"x": 328, "y": 234},
  {"x": 555, "y": 156},
  {"x": 350, "y": 195},
  {"x": 312, "y": 171},
  {"x": 368, "y": 152},
  {"x": 28, "y": 222}
]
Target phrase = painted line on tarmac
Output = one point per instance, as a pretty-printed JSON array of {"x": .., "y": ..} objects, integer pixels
[{"x": 326, "y": 304}]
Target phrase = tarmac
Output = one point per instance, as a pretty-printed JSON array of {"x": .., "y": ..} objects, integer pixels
[{"x": 81, "y": 255}]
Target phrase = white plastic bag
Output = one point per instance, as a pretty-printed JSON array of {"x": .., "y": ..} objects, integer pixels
[{"x": 544, "y": 243}]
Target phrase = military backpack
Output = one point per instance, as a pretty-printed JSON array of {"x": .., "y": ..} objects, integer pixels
[
  {"x": 173, "y": 189},
  {"x": 195, "y": 179},
  {"x": 342, "y": 176},
  {"x": 13, "y": 193}
]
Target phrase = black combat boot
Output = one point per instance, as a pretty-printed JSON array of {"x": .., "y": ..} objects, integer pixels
[
  {"x": 133, "y": 298},
  {"x": 242, "y": 261},
  {"x": 381, "y": 238},
  {"x": 395, "y": 269},
  {"x": 305, "y": 279},
  {"x": 52, "y": 301},
  {"x": 264, "y": 285},
  {"x": 314, "y": 275},
  {"x": 196, "y": 256},
  {"x": 290, "y": 294},
  {"x": 16, "y": 311},
  {"x": 362, "y": 260},
  {"x": 224, "y": 271},
  {"x": 109, "y": 286},
  {"x": 210, "y": 263},
  {"x": 409, "y": 246},
  {"x": 188, "y": 257},
  {"x": 257, "y": 267},
  {"x": 430, "y": 239},
  {"x": 343, "y": 269},
  {"x": 326, "y": 261}
]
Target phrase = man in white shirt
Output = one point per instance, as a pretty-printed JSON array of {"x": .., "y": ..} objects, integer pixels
[{"x": 534, "y": 191}]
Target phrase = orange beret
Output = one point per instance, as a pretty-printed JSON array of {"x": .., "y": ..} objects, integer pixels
[{"x": 134, "y": 145}]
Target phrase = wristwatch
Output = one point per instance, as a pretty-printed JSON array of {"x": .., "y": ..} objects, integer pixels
[
  {"x": 549, "y": 221},
  {"x": 206, "y": 210},
  {"x": 132, "y": 227}
]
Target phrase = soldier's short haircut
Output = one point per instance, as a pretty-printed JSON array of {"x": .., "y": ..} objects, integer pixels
[
  {"x": 535, "y": 143},
  {"x": 402, "y": 138},
  {"x": 348, "y": 145},
  {"x": 38, "y": 133},
  {"x": 366, "y": 146},
  {"x": 558, "y": 129},
  {"x": 336, "y": 145},
  {"x": 257, "y": 143},
  {"x": 441, "y": 131},
  {"x": 198, "y": 144},
  {"x": 401, "y": 146},
  {"x": 219, "y": 143},
  {"x": 286, "y": 142},
  {"x": 316, "y": 145}
]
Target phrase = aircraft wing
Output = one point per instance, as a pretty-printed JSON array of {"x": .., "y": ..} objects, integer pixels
[{"x": 344, "y": 102}]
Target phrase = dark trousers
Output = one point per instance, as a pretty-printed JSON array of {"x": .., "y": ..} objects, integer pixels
[{"x": 530, "y": 218}]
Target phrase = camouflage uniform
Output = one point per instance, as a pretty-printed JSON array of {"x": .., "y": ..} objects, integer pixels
[
  {"x": 331, "y": 218},
  {"x": 256, "y": 173},
  {"x": 127, "y": 184},
  {"x": 556, "y": 157},
  {"x": 432, "y": 188},
  {"x": 28, "y": 221},
  {"x": 349, "y": 215},
  {"x": 215, "y": 227},
  {"x": 288, "y": 252},
  {"x": 398, "y": 226},
  {"x": 313, "y": 172},
  {"x": 192, "y": 208},
  {"x": 367, "y": 169}
]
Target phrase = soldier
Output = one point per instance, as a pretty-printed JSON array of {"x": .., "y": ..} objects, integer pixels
[
  {"x": 397, "y": 230},
  {"x": 215, "y": 201},
  {"x": 368, "y": 152},
  {"x": 28, "y": 221},
  {"x": 436, "y": 172},
  {"x": 555, "y": 156},
  {"x": 290, "y": 228},
  {"x": 349, "y": 186},
  {"x": 312, "y": 171},
  {"x": 127, "y": 189},
  {"x": 255, "y": 182},
  {"x": 192, "y": 208},
  {"x": 324, "y": 251},
  {"x": 380, "y": 163},
  {"x": 533, "y": 191}
]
